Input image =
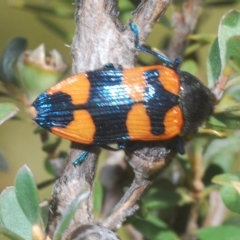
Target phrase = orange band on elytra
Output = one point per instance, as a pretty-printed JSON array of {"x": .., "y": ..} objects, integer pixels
[
  {"x": 81, "y": 129},
  {"x": 139, "y": 125},
  {"x": 76, "y": 86},
  {"x": 134, "y": 83}
]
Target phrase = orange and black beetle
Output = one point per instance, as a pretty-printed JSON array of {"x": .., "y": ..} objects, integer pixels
[{"x": 113, "y": 105}]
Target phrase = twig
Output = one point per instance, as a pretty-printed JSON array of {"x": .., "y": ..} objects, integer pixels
[
  {"x": 184, "y": 23},
  {"x": 128, "y": 205},
  {"x": 147, "y": 160},
  {"x": 146, "y": 14}
]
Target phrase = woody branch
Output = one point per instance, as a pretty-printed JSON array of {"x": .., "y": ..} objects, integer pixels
[{"x": 99, "y": 39}]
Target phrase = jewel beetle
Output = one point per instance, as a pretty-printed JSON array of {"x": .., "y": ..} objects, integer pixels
[{"x": 112, "y": 105}]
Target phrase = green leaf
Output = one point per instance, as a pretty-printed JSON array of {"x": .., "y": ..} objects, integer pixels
[
  {"x": 12, "y": 216},
  {"x": 229, "y": 27},
  {"x": 50, "y": 145},
  {"x": 7, "y": 110},
  {"x": 226, "y": 179},
  {"x": 214, "y": 65},
  {"x": 98, "y": 197},
  {"x": 69, "y": 214},
  {"x": 9, "y": 234},
  {"x": 48, "y": 167},
  {"x": 226, "y": 120},
  {"x": 219, "y": 233},
  {"x": 233, "y": 53},
  {"x": 165, "y": 198},
  {"x": 231, "y": 197},
  {"x": 214, "y": 122},
  {"x": 57, "y": 161},
  {"x": 154, "y": 228},
  {"x": 165, "y": 22},
  {"x": 38, "y": 130},
  {"x": 221, "y": 152},
  {"x": 202, "y": 37},
  {"x": 231, "y": 82},
  {"x": 142, "y": 212},
  {"x": 27, "y": 195},
  {"x": 10, "y": 55},
  {"x": 192, "y": 48},
  {"x": 230, "y": 192},
  {"x": 44, "y": 208}
]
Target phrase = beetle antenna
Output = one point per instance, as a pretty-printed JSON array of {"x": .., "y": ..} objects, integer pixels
[
  {"x": 134, "y": 29},
  {"x": 163, "y": 59}
]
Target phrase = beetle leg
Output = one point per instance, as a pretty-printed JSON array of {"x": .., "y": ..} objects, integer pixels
[
  {"x": 82, "y": 157},
  {"x": 179, "y": 145},
  {"x": 121, "y": 146},
  {"x": 109, "y": 66}
]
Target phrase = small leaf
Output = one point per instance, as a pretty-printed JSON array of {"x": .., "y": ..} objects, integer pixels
[
  {"x": 219, "y": 233},
  {"x": 192, "y": 48},
  {"x": 233, "y": 81},
  {"x": 48, "y": 167},
  {"x": 229, "y": 27},
  {"x": 165, "y": 22},
  {"x": 38, "y": 129},
  {"x": 230, "y": 192},
  {"x": 202, "y": 37},
  {"x": 153, "y": 228},
  {"x": 163, "y": 198},
  {"x": 234, "y": 90},
  {"x": 233, "y": 53},
  {"x": 222, "y": 152},
  {"x": 12, "y": 216},
  {"x": 226, "y": 179},
  {"x": 44, "y": 208},
  {"x": 231, "y": 198},
  {"x": 98, "y": 197},
  {"x": 235, "y": 109},
  {"x": 214, "y": 65},
  {"x": 142, "y": 212},
  {"x": 9, "y": 234},
  {"x": 7, "y": 110},
  {"x": 50, "y": 145},
  {"x": 226, "y": 120},
  {"x": 27, "y": 195},
  {"x": 68, "y": 215},
  {"x": 10, "y": 55}
]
